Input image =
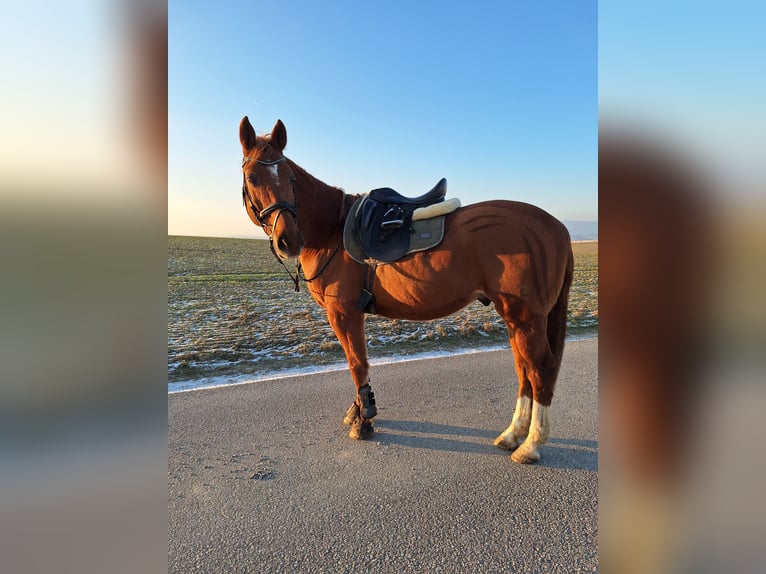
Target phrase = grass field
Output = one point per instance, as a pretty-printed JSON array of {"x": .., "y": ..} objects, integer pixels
[{"x": 232, "y": 311}]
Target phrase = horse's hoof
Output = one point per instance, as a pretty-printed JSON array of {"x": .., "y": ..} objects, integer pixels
[
  {"x": 351, "y": 415},
  {"x": 361, "y": 429},
  {"x": 507, "y": 442},
  {"x": 525, "y": 455}
]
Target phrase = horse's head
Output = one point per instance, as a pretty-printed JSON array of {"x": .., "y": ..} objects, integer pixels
[{"x": 268, "y": 188}]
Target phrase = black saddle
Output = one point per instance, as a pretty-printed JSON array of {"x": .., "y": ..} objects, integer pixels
[
  {"x": 388, "y": 195},
  {"x": 379, "y": 226}
]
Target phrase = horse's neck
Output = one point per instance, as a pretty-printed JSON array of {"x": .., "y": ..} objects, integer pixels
[{"x": 320, "y": 209}]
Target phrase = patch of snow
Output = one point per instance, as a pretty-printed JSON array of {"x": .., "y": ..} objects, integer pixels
[{"x": 229, "y": 380}]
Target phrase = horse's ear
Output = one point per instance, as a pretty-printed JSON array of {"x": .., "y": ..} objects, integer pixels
[
  {"x": 279, "y": 136},
  {"x": 246, "y": 134}
]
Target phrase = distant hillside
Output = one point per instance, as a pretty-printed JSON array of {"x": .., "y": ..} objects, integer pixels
[
  {"x": 582, "y": 230},
  {"x": 578, "y": 231}
]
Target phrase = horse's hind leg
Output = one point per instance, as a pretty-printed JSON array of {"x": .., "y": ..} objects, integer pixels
[
  {"x": 532, "y": 347},
  {"x": 517, "y": 431}
]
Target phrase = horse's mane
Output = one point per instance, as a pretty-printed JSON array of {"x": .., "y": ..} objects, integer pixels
[
  {"x": 305, "y": 174},
  {"x": 262, "y": 141}
]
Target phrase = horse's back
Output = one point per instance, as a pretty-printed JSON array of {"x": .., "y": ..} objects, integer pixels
[{"x": 509, "y": 224}]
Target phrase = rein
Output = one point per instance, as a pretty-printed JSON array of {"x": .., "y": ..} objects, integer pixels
[
  {"x": 280, "y": 207},
  {"x": 321, "y": 269},
  {"x": 299, "y": 276}
]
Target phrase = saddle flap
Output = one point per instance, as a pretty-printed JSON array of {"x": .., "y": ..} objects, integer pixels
[{"x": 383, "y": 230}]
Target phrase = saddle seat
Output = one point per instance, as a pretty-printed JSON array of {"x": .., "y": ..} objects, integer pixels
[
  {"x": 388, "y": 195},
  {"x": 384, "y": 226}
]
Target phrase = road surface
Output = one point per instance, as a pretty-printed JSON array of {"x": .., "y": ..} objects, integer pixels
[{"x": 262, "y": 477}]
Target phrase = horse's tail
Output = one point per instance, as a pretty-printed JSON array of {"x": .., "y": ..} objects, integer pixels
[{"x": 557, "y": 318}]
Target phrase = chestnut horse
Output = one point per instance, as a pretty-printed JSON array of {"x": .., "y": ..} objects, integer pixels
[{"x": 513, "y": 254}]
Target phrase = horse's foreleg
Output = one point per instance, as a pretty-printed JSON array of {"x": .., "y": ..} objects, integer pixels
[
  {"x": 349, "y": 329},
  {"x": 517, "y": 431}
]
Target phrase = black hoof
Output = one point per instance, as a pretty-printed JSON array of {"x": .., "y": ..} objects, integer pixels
[
  {"x": 351, "y": 415},
  {"x": 361, "y": 430}
]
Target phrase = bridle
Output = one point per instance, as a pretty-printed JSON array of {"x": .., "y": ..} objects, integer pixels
[{"x": 279, "y": 207}]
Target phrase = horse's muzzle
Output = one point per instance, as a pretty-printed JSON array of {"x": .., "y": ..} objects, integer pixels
[{"x": 288, "y": 245}]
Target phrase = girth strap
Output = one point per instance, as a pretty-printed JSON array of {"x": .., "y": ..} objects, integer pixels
[{"x": 367, "y": 299}]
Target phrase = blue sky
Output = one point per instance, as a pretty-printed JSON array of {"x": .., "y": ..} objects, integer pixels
[
  {"x": 498, "y": 97},
  {"x": 690, "y": 72}
]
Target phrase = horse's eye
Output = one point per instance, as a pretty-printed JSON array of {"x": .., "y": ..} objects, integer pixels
[{"x": 251, "y": 179}]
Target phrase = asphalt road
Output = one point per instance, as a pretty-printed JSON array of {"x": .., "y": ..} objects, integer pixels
[{"x": 262, "y": 477}]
